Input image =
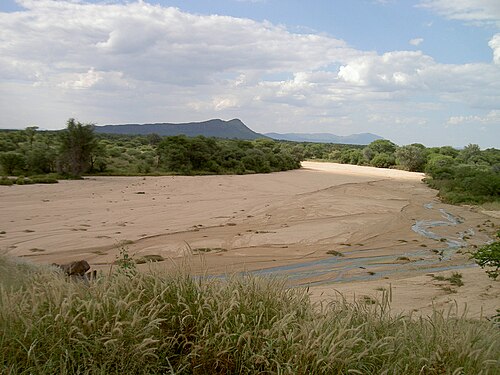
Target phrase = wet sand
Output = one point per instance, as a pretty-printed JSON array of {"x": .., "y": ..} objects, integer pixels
[{"x": 389, "y": 228}]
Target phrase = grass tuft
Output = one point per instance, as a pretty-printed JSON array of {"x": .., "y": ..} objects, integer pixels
[
  {"x": 152, "y": 323},
  {"x": 335, "y": 253}
]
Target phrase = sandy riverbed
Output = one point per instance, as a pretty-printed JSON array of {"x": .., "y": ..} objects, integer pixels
[{"x": 390, "y": 228}]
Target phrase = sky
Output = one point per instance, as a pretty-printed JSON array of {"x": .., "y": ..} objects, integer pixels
[{"x": 423, "y": 71}]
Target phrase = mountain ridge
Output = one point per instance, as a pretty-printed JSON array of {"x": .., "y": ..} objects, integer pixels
[
  {"x": 217, "y": 128},
  {"x": 353, "y": 139},
  {"x": 231, "y": 129}
]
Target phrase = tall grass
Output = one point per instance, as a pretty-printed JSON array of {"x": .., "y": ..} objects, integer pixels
[{"x": 172, "y": 323}]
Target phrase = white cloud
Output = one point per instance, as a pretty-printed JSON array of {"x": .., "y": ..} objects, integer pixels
[
  {"x": 147, "y": 42},
  {"x": 94, "y": 79},
  {"x": 474, "y": 11},
  {"x": 221, "y": 103},
  {"x": 491, "y": 118},
  {"x": 416, "y": 41},
  {"x": 390, "y": 71},
  {"x": 495, "y": 46},
  {"x": 137, "y": 62}
]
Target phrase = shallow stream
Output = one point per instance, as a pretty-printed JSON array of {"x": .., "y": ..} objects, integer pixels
[{"x": 360, "y": 268}]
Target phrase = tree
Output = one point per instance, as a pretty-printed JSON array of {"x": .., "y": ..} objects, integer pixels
[
  {"x": 440, "y": 166},
  {"x": 470, "y": 154},
  {"x": 449, "y": 151},
  {"x": 173, "y": 153},
  {"x": 30, "y": 132},
  {"x": 98, "y": 158},
  {"x": 40, "y": 158},
  {"x": 11, "y": 161},
  {"x": 255, "y": 160},
  {"x": 153, "y": 139},
  {"x": 411, "y": 157},
  {"x": 382, "y": 146},
  {"x": 382, "y": 160},
  {"x": 489, "y": 256},
  {"x": 77, "y": 144}
]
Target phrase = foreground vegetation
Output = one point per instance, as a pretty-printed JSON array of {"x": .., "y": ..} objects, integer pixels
[{"x": 172, "y": 323}]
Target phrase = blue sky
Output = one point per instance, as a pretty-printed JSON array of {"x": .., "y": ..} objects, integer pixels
[{"x": 411, "y": 71}]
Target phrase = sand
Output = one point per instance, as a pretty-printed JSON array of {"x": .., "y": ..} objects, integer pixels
[{"x": 390, "y": 229}]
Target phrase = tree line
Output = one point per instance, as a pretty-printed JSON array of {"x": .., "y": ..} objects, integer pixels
[
  {"x": 469, "y": 175},
  {"x": 77, "y": 150}
]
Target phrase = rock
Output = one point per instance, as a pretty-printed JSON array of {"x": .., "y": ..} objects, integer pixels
[{"x": 77, "y": 270}]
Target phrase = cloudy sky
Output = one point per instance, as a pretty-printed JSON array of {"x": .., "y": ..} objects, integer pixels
[{"x": 425, "y": 71}]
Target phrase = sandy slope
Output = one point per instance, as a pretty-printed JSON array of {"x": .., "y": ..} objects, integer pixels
[{"x": 282, "y": 223}]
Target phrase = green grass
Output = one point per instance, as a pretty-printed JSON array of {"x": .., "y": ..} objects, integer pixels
[
  {"x": 147, "y": 323},
  {"x": 455, "y": 278}
]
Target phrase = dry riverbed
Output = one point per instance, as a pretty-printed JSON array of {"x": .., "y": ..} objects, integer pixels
[{"x": 360, "y": 231}]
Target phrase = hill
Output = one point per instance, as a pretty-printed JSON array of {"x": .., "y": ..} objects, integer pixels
[
  {"x": 353, "y": 139},
  {"x": 232, "y": 129}
]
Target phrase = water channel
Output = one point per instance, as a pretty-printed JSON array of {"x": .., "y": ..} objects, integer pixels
[{"x": 360, "y": 267}]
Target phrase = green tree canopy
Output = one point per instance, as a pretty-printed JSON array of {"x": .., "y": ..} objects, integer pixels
[
  {"x": 411, "y": 157},
  {"x": 11, "y": 161},
  {"x": 77, "y": 144},
  {"x": 382, "y": 146},
  {"x": 470, "y": 154}
]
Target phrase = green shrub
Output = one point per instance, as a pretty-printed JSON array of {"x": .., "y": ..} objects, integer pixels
[
  {"x": 383, "y": 160},
  {"x": 44, "y": 180},
  {"x": 488, "y": 257},
  {"x": 6, "y": 181},
  {"x": 12, "y": 161},
  {"x": 21, "y": 180}
]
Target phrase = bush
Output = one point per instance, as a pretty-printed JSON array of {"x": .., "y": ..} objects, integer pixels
[
  {"x": 411, "y": 157},
  {"x": 21, "y": 180},
  {"x": 44, "y": 180},
  {"x": 6, "y": 181},
  {"x": 488, "y": 256},
  {"x": 382, "y": 160},
  {"x": 11, "y": 161}
]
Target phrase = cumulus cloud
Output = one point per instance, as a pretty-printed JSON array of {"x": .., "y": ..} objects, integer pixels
[
  {"x": 147, "y": 42},
  {"x": 392, "y": 70},
  {"x": 138, "y": 62},
  {"x": 495, "y": 46}
]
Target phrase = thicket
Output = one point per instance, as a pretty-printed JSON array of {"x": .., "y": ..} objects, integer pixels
[
  {"x": 470, "y": 175},
  {"x": 77, "y": 150},
  {"x": 146, "y": 323}
]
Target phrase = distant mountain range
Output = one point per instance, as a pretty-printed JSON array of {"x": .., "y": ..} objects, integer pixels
[
  {"x": 353, "y": 139},
  {"x": 232, "y": 129}
]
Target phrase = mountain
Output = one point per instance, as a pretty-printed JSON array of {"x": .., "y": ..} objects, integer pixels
[
  {"x": 212, "y": 128},
  {"x": 353, "y": 139}
]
